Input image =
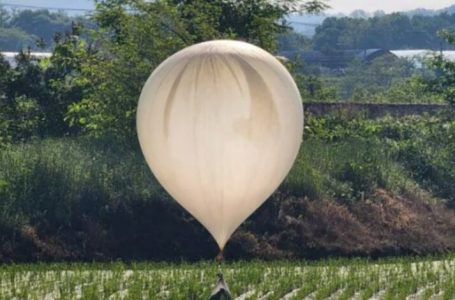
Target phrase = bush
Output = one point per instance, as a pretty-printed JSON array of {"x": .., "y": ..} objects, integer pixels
[
  {"x": 91, "y": 198},
  {"x": 86, "y": 198},
  {"x": 394, "y": 153},
  {"x": 345, "y": 170}
]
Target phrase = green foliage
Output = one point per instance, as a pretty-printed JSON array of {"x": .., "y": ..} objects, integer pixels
[
  {"x": 399, "y": 278},
  {"x": 444, "y": 83},
  {"x": 293, "y": 41},
  {"x": 362, "y": 80},
  {"x": 410, "y": 90},
  {"x": 4, "y": 16},
  {"x": 396, "y": 154},
  {"x": 392, "y": 31},
  {"x": 386, "y": 79},
  {"x": 63, "y": 77},
  {"x": 49, "y": 181},
  {"x": 35, "y": 95},
  {"x": 40, "y": 24},
  {"x": 84, "y": 193},
  {"x": 135, "y": 43},
  {"x": 22, "y": 95},
  {"x": 4, "y": 119},
  {"x": 344, "y": 170},
  {"x": 341, "y": 159},
  {"x": 81, "y": 191},
  {"x": 27, "y": 119},
  {"x": 312, "y": 87},
  {"x": 34, "y": 29},
  {"x": 12, "y": 39}
]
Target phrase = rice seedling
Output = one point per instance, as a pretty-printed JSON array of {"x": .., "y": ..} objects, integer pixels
[{"x": 330, "y": 279}]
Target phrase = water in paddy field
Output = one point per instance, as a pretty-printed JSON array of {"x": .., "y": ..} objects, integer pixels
[{"x": 400, "y": 278}]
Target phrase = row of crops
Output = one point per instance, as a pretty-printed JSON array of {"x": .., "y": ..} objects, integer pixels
[{"x": 331, "y": 279}]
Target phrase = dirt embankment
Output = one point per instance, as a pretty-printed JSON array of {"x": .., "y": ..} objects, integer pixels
[
  {"x": 385, "y": 225},
  {"x": 284, "y": 227}
]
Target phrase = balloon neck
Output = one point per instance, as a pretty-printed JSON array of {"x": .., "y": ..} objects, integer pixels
[{"x": 220, "y": 257}]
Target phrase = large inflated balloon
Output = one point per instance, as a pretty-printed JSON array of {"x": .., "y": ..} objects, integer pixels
[{"x": 220, "y": 125}]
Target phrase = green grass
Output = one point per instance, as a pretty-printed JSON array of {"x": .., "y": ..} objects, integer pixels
[
  {"x": 344, "y": 161},
  {"x": 362, "y": 279},
  {"x": 48, "y": 179},
  {"x": 54, "y": 179},
  {"x": 84, "y": 198},
  {"x": 346, "y": 170}
]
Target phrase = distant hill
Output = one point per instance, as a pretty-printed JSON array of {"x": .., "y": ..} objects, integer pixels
[
  {"x": 89, "y": 4},
  {"x": 83, "y": 4},
  {"x": 450, "y": 9},
  {"x": 306, "y": 24},
  {"x": 71, "y": 5},
  {"x": 429, "y": 12},
  {"x": 24, "y": 27}
]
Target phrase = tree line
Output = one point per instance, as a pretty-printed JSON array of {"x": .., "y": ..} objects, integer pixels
[
  {"x": 33, "y": 29},
  {"x": 95, "y": 75},
  {"x": 391, "y": 31}
]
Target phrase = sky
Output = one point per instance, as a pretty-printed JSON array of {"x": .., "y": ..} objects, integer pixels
[
  {"x": 347, "y": 6},
  {"x": 344, "y": 6},
  {"x": 72, "y": 4}
]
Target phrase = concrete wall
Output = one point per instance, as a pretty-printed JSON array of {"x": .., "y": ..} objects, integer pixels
[{"x": 372, "y": 110}]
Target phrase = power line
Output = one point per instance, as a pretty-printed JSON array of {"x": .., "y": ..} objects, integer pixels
[
  {"x": 44, "y": 7},
  {"x": 304, "y": 24},
  {"x": 91, "y": 10}
]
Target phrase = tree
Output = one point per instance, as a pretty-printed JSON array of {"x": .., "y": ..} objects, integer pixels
[
  {"x": 391, "y": 31},
  {"x": 293, "y": 41},
  {"x": 20, "y": 89},
  {"x": 408, "y": 90},
  {"x": 4, "y": 118},
  {"x": 41, "y": 23},
  {"x": 35, "y": 95},
  {"x": 444, "y": 83},
  {"x": 14, "y": 39},
  {"x": 363, "y": 79},
  {"x": 64, "y": 80},
  {"x": 4, "y": 16},
  {"x": 22, "y": 29},
  {"x": 135, "y": 36}
]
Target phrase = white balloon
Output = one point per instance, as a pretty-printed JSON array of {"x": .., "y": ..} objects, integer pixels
[{"x": 220, "y": 124}]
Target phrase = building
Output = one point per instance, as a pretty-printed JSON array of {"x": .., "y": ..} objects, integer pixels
[
  {"x": 337, "y": 59},
  {"x": 10, "y": 57}
]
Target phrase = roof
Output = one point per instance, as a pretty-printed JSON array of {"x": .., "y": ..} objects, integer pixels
[{"x": 336, "y": 59}]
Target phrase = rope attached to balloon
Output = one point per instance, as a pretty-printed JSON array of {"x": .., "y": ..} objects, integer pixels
[{"x": 221, "y": 290}]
